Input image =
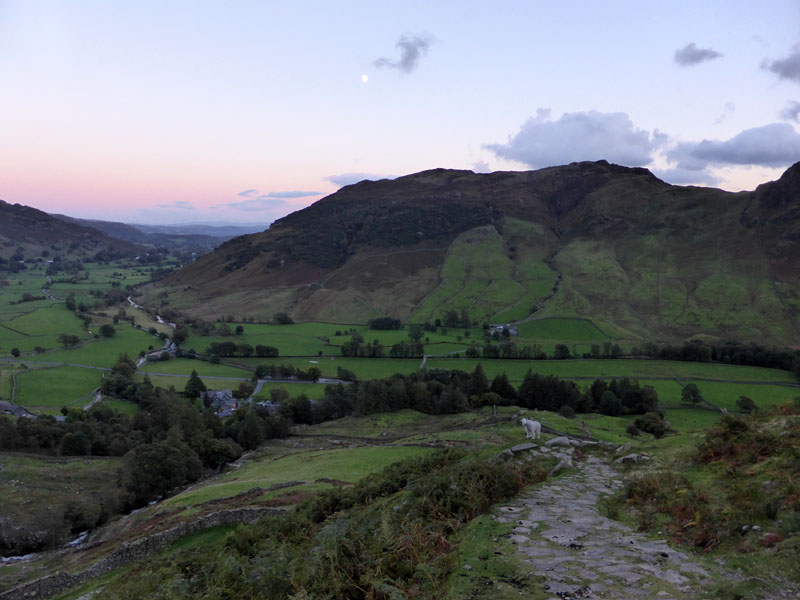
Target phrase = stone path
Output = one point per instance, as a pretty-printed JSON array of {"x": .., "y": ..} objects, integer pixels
[{"x": 579, "y": 553}]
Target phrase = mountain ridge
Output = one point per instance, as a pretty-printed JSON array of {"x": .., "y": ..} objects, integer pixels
[{"x": 638, "y": 255}]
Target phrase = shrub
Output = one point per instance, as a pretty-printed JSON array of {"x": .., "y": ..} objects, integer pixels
[
  {"x": 652, "y": 422},
  {"x": 632, "y": 430},
  {"x": 567, "y": 411}
]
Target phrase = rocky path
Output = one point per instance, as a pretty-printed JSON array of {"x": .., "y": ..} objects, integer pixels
[{"x": 578, "y": 553}]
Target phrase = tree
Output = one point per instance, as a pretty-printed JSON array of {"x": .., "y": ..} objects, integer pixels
[
  {"x": 244, "y": 390},
  {"x": 195, "y": 386},
  {"x": 283, "y": 318},
  {"x": 415, "y": 332},
  {"x": 610, "y": 404},
  {"x": 690, "y": 394},
  {"x": 314, "y": 373},
  {"x": 478, "y": 383},
  {"x": 251, "y": 433},
  {"x": 107, "y": 330},
  {"x": 239, "y": 330},
  {"x": 68, "y": 339},
  {"x": 561, "y": 351},
  {"x": 502, "y": 387},
  {"x": 75, "y": 444},
  {"x": 746, "y": 404},
  {"x": 151, "y": 470},
  {"x": 15, "y": 352}
]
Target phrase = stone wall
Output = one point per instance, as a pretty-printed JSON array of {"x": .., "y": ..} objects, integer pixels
[{"x": 132, "y": 551}]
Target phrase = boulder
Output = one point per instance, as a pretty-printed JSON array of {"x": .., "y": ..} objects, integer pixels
[
  {"x": 522, "y": 447},
  {"x": 631, "y": 459},
  {"x": 558, "y": 441}
]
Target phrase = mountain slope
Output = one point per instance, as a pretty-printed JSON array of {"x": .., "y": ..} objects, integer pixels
[
  {"x": 643, "y": 259},
  {"x": 33, "y": 231}
]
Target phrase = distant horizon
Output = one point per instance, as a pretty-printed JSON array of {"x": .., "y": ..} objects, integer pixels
[{"x": 244, "y": 224}]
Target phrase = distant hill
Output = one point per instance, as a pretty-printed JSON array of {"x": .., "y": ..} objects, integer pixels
[
  {"x": 641, "y": 258},
  {"x": 215, "y": 231},
  {"x": 30, "y": 232},
  {"x": 197, "y": 238}
]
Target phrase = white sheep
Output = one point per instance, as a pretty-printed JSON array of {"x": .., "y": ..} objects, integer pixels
[{"x": 533, "y": 429}]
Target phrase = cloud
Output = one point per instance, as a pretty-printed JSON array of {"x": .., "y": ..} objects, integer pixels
[
  {"x": 254, "y": 204},
  {"x": 542, "y": 142},
  {"x": 412, "y": 48},
  {"x": 291, "y": 194},
  {"x": 791, "y": 112},
  {"x": 481, "y": 166},
  {"x": 786, "y": 68},
  {"x": 680, "y": 176},
  {"x": 691, "y": 55},
  {"x": 351, "y": 178},
  {"x": 181, "y": 204},
  {"x": 772, "y": 145},
  {"x": 729, "y": 107},
  {"x": 254, "y": 198}
]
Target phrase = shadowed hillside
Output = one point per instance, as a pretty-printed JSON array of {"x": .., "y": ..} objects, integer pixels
[
  {"x": 641, "y": 258},
  {"x": 26, "y": 231}
]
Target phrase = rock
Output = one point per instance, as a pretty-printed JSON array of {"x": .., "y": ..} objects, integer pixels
[
  {"x": 630, "y": 459},
  {"x": 624, "y": 448},
  {"x": 522, "y": 447},
  {"x": 756, "y": 527},
  {"x": 745, "y": 528},
  {"x": 507, "y": 452},
  {"x": 565, "y": 463},
  {"x": 558, "y": 441},
  {"x": 467, "y": 567}
]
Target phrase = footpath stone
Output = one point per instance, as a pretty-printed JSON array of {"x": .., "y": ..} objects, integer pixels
[{"x": 573, "y": 551}]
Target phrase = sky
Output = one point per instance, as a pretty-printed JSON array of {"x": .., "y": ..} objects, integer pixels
[{"x": 175, "y": 111}]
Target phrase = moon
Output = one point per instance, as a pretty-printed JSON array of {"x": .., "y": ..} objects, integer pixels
[{"x": 364, "y": 79}]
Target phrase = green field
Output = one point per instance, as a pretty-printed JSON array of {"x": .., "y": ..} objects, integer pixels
[
  {"x": 39, "y": 327},
  {"x": 346, "y": 464},
  {"x": 561, "y": 330},
  {"x": 46, "y": 390},
  {"x": 312, "y": 390},
  {"x": 103, "y": 352},
  {"x": 185, "y": 366}
]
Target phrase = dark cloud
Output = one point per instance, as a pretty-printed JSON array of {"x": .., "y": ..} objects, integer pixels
[
  {"x": 351, "y": 178},
  {"x": 691, "y": 55},
  {"x": 786, "y": 68},
  {"x": 181, "y": 204},
  {"x": 412, "y": 48},
  {"x": 773, "y": 145},
  {"x": 591, "y": 135},
  {"x": 791, "y": 112}
]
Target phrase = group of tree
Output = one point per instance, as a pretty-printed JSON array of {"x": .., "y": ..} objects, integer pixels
[
  {"x": 385, "y": 323},
  {"x": 730, "y": 352},
  {"x": 275, "y": 371},
  {"x": 242, "y": 349}
]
